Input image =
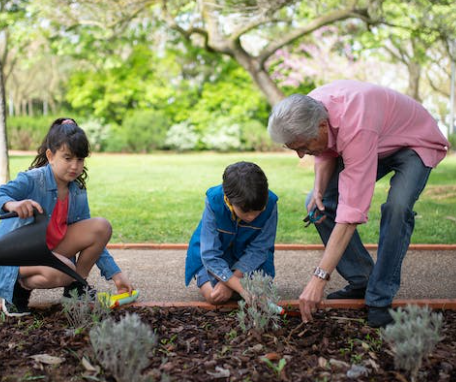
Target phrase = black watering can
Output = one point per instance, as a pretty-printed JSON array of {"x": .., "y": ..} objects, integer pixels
[{"x": 26, "y": 246}]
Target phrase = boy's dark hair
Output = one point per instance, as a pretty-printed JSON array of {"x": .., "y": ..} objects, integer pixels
[
  {"x": 64, "y": 131},
  {"x": 246, "y": 186}
]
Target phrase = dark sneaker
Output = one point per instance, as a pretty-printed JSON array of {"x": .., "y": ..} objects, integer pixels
[
  {"x": 379, "y": 317},
  {"x": 12, "y": 310},
  {"x": 19, "y": 306},
  {"x": 81, "y": 290},
  {"x": 348, "y": 292}
]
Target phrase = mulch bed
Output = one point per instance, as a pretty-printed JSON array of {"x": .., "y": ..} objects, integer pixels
[{"x": 200, "y": 345}]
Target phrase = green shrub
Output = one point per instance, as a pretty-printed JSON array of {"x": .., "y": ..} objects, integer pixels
[
  {"x": 116, "y": 142},
  {"x": 222, "y": 135},
  {"x": 142, "y": 131},
  {"x": 97, "y": 134},
  {"x": 182, "y": 137},
  {"x": 27, "y": 133},
  {"x": 452, "y": 139},
  {"x": 255, "y": 137}
]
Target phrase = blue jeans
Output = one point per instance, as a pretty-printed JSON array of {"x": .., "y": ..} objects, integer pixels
[
  {"x": 383, "y": 278},
  {"x": 203, "y": 276}
]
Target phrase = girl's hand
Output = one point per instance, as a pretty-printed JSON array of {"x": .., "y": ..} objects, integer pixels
[
  {"x": 23, "y": 208},
  {"x": 123, "y": 285}
]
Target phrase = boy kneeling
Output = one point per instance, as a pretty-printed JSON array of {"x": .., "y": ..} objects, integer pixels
[{"x": 235, "y": 235}]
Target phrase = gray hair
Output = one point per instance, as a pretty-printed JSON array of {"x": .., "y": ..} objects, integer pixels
[{"x": 296, "y": 116}]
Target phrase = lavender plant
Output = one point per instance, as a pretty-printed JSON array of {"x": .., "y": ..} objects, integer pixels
[
  {"x": 261, "y": 311},
  {"x": 122, "y": 347},
  {"x": 82, "y": 312},
  {"x": 412, "y": 336}
]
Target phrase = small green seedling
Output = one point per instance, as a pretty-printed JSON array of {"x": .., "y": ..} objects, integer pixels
[{"x": 277, "y": 368}]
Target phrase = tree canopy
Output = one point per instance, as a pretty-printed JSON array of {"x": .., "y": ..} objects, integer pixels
[{"x": 200, "y": 64}]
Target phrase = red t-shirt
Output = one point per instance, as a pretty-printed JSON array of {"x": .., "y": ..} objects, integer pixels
[{"x": 57, "y": 226}]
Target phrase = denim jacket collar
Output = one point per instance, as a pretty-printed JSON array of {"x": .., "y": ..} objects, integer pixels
[{"x": 51, "y": 184}]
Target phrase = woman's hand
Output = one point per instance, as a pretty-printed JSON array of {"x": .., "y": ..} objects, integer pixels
[{"x": 23, "y": 208}]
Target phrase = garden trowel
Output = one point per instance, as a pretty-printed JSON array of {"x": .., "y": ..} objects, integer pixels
[{"x": 116, "y": 300}]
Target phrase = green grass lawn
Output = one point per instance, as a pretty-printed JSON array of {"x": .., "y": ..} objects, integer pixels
[{"x": 160, "y": 197}]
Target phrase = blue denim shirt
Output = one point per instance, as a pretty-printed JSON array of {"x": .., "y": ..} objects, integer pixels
[
  {"x": 222, "y": 243},
  {"x": 39, "y": 185}
]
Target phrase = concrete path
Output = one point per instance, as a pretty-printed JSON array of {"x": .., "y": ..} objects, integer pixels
[{"x": 159, "y": 275}]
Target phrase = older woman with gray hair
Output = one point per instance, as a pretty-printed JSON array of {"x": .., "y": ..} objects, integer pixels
[{"x": 358, "y": 133}]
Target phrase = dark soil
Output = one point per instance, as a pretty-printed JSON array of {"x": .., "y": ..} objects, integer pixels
[{"x": 199, "y": 345}]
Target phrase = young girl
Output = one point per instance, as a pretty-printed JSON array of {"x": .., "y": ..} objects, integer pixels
[{"x": 55, "y": 184}]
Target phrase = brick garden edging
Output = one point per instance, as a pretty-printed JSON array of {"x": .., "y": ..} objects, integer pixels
[
  {"x": 294, "y": 304},
  {"x": 278, "y": 247},
  {"x": 444, "y": 304},
  {"x": 449, "y": 304}
]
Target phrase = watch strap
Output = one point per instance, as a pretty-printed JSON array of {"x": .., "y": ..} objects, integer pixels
[{"x": 322, "y": 274}]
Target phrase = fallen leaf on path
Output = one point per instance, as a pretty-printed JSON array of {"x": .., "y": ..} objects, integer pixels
[
  {"x": 220, "y": 372},
  {"x": 47, "y": 359}
]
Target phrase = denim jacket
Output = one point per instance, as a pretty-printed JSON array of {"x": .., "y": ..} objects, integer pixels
[
  {"x": 222, "y": 243},
  {"x": 39, "y": 185}
]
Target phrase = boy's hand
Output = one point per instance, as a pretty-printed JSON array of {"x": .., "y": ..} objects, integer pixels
[
  {"x": 221, "y": 293},
  {"x": 23, "y": 208},
  {"x": 122, "y": 283}
]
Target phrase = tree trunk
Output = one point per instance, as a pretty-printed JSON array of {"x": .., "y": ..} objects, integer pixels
[
  {"x": 11, "y": 106},
  {"x": 4, "y": 165},
  {"x": 30, "y": 108},
  {"x": 261, "y": 77},
  {"x": 267, "y": 86},
  {"x": 413, "y": 89}
]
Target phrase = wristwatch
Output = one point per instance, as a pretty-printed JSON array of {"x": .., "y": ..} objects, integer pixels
[{"x": 322, "y": 274}]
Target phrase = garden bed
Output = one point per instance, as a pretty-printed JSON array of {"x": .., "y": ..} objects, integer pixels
[{"x": 200, "y": 345}]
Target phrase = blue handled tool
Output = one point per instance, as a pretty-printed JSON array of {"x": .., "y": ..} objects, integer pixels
[{"x": 313, "y": 216}]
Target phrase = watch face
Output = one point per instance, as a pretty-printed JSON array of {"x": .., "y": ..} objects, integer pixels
[{"x": 321, "y": 274}]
